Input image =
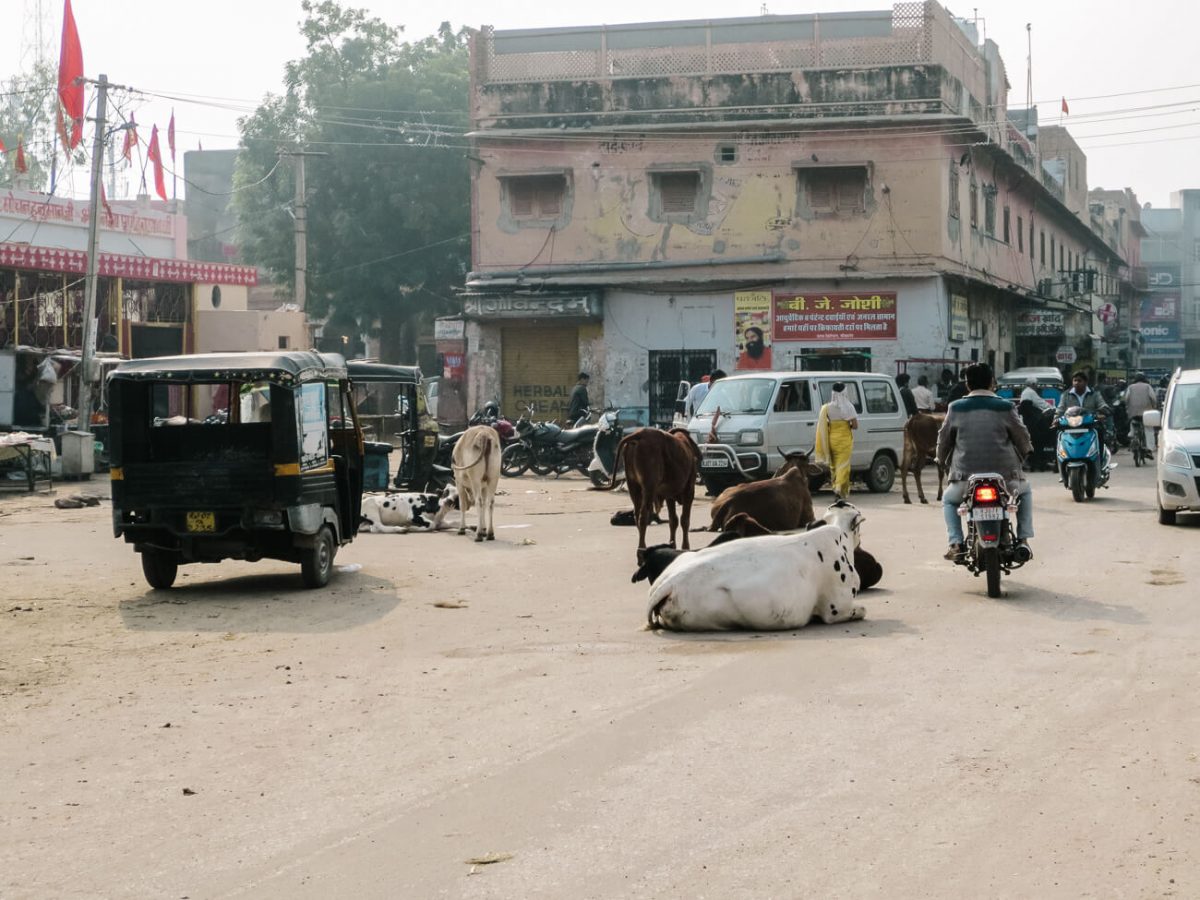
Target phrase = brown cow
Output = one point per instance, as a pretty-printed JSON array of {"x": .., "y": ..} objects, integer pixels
[
  {"x": 780, "y": 503},
  {"x": 920, "y": 447},
  {"x": 659, "y": 465}
]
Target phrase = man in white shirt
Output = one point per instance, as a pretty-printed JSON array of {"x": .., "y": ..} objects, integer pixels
[
  {"x": 1031, "y": 393},
  {"x": 923, "y": 395},
  {"x": 699, "y": 391}
]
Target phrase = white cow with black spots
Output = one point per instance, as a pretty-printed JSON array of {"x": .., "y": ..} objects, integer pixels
[
  {"x": 771, "y": 583},
  {"x": 402, "y": 513}
]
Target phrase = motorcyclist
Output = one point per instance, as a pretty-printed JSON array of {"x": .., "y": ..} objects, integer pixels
[
  {"x": 983, "y": 433},
  {"x": 1030, "y": 392},
  {"x": 1089, "y": 401}
]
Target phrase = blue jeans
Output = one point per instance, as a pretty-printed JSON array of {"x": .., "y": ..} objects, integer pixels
[{"x": 956, "y": 490}]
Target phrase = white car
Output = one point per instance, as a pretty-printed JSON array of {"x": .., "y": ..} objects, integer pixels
[{"x": 1178, "y": 446}]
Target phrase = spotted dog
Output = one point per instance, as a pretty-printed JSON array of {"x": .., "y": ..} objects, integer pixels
[
  {"x": 771, "y": 583},
  {"x": 402, "y": 513}
]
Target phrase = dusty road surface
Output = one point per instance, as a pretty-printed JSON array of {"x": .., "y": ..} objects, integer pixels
[{"x": 239, "y": 737}]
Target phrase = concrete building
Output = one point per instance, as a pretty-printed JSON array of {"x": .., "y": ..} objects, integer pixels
[
  {"x": 1170, "y": 323},
  {"x": 850, "y": 186}
]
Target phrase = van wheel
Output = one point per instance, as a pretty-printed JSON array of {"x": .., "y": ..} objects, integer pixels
[
  {"x": 159, "y": 568},
  {"x": 882, "y": 474},
  {"x": 1166, "y": 516},
  {"x": 317, "y": 564}
]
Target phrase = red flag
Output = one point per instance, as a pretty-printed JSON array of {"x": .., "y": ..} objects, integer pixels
[
  {"x": 130, "y": 139},
  {"x": 3, "y": 149},
  {"x": 62, "y": 135},
  {"x": 155, "y": 156},
  {"x": 20, "y": 164},
  {"x": 1065, "y": 109},
  {"x": 70, "y": 73},
  {"x": 171, "y": 137},
  {"x": 108, "y": 213}
]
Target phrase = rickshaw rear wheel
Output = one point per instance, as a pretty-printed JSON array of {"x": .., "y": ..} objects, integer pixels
[
  {"x": 317, "y": 564},
  {"x": 159, "y": 568}
]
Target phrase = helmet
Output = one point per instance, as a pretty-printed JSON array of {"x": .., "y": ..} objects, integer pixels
[{"x": 491, "y": 409}]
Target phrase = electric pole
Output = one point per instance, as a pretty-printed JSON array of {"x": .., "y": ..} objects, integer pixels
[
  {"x": 300, "y": 219},
  {"x": 93, "y": 260}
]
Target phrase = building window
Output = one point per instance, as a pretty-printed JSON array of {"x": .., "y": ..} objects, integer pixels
[
  {"x": 1020, "y": 235},
  {"x": 954, "y": 212},
  {"x": 1007, "y": 226},
  {"x": 727, "y": 153},
  {"x": 1042, "y": 242},
  {"x": 677, "y": 192},
  {"x": 989, "y": 209},
  {"x": 535, "y": 197},
  {"x": 974, "y": 201},
  {"x": 834, "y": 190},
  {"x": 1196, "y": 250},
  {"x": 1051, "y": 251},
  {"x": 1061, "y": 263},
  {"x": 283, "y": 342},
  {"x": 1031, "y": 238}
]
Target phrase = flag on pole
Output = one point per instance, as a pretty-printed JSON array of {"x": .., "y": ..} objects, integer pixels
[
  {"x": 1066, "y": 110},
  {"x": 171, "y": 137},
  {"x": 20, "y": 165},
  {"x": 108, "y": 213},
  {"x": 70, "y": 75},
  {"x": 62, "y": 135},
  {"x": 199, "y": 144},
  {"x": 3, "y": 149},
  {"x": 130, "y": 139},
  {"x": 155, "y": 156}
]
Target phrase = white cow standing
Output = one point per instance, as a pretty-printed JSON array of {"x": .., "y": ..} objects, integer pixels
[
  {"x": 770, "y": 583},
  {"x": 476, "y": 463}
]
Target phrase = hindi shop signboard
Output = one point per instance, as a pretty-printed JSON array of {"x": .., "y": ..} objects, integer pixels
[
  {"x": 1040, "y": 324},
  {"x": 835, "y": 317}
]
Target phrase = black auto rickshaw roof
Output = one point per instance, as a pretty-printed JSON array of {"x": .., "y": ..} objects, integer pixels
[
  {"x": 282, "y": 367},
  {"x": 363, "y": 371}
]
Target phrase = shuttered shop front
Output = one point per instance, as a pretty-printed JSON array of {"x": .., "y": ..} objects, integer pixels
[{"x": 539, "y": 366}]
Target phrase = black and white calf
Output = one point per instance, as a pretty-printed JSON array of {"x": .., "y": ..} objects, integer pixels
[
  {"x": 771, "y": 583},
  {"x": 402, "y": 513}
]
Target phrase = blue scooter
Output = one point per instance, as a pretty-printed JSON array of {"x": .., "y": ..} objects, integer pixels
[{"x": 1084, "y": 462}]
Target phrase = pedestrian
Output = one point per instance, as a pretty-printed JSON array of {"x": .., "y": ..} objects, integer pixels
[
  {"x": 1030, "y": 392},
  {"x": 1140, "y": 398},
  {"x": 960, "y": 389},
  {"x": 835, "y": 438},
  {"x": 906, "y": 394},
  {"x": 945, "y": 383},
  {"x": 923, "y": 395},
  {"x": 577, "y": 406},
  {"x": 699, "y": 391}
]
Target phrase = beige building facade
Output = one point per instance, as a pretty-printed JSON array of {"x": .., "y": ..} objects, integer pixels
[{"x": 646, "y": 197}]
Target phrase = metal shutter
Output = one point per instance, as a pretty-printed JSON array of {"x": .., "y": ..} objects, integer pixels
[
  {"x": 678, "y": 190},
  {"x": 538, "y": 365}
]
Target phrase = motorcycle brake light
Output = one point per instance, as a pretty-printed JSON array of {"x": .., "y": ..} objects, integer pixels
[{"x": 985, "y": 493}]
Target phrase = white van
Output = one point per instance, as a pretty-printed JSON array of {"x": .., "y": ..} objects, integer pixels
[
  {"x": 1178, "y": 446},
  {"x": 767, "y": 414}
]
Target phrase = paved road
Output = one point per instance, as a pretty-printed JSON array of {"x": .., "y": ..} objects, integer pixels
[{"x": 366, "y": 741}]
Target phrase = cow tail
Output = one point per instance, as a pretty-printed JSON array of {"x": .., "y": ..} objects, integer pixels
[
  {"x": 618, "y": 458},
  {"x": 484, "y": 446}
]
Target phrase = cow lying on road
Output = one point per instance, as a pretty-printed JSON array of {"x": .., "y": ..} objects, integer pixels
[
  {"x": 402, "y": 513},
  {"x": 771, "y": 583},
  {"x": 780, "y": 503}
]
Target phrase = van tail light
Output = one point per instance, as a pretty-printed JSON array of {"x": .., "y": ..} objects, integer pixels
[{"x": 985, "y": 493}]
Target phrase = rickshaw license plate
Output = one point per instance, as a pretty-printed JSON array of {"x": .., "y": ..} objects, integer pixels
[
  {"x": 986, "y": 513},
  {"x": 201, "y": 521}
]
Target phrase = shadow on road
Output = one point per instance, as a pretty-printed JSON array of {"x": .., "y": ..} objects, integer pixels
[
  {"x": 1068, "y": 607},
  {"x": 814, "y": 631},
  {"x": 261, "y": 604}
]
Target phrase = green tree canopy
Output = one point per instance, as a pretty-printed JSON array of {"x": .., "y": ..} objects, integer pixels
[
  {"x": 388, "y": 205},
  {"x": 27, "y": 114}
]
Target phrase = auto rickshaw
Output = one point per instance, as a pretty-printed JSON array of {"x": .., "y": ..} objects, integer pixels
[
  {"x": 235, "y": 456},
  {"x": 393, "y": 409}
]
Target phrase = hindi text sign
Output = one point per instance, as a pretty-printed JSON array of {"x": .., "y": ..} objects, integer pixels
[{"x": 835, "y": 317}]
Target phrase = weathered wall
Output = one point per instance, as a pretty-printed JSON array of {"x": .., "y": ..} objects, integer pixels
[{"x": 237, "y": 330}]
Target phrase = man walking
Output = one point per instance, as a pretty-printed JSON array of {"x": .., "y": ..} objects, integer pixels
[{"x": 578, "y": 405}]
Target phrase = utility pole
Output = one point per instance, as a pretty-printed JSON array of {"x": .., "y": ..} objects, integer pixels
[
  {"x": 93, "y": 260},
  {"x": 300, "y": 218}
]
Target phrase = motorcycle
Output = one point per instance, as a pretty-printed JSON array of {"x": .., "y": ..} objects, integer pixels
[
  {"x": 604, "y": 447},
  {"x": 488, "y": 415},
  {"x": 545, "y": 447},
  {"x": 1084, "y": 462},
  {"x": 991, "y": 546}
]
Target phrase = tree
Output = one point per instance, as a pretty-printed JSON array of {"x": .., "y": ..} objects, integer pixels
[
  {"x": 27, "y": 114},
  {"x": 388, "y": 206}
]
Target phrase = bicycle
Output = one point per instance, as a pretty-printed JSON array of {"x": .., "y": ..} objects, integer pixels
[{"x": 1137, "y": 441}]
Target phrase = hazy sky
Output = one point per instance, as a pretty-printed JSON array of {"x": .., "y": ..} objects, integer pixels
[{"x": 235, "y": 50}]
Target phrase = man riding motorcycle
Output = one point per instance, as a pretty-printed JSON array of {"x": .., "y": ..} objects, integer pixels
[{"x": 983, "y": 433}]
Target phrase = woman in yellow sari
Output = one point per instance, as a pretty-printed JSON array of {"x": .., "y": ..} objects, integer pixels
[{"x": 835, "y": 438}]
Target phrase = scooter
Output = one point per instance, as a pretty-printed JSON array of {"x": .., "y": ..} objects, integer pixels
[
  {"x": 1084, "y": 462},
  {"x": 991, "y": 546},
  {"x": 604, "y": 448}
]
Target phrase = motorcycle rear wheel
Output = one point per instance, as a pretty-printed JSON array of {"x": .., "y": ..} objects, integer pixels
[
  {"x": 514, "y": 460},
  {"x": 991, "y": 563},
  {"x": 1075, "y": 481}
]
